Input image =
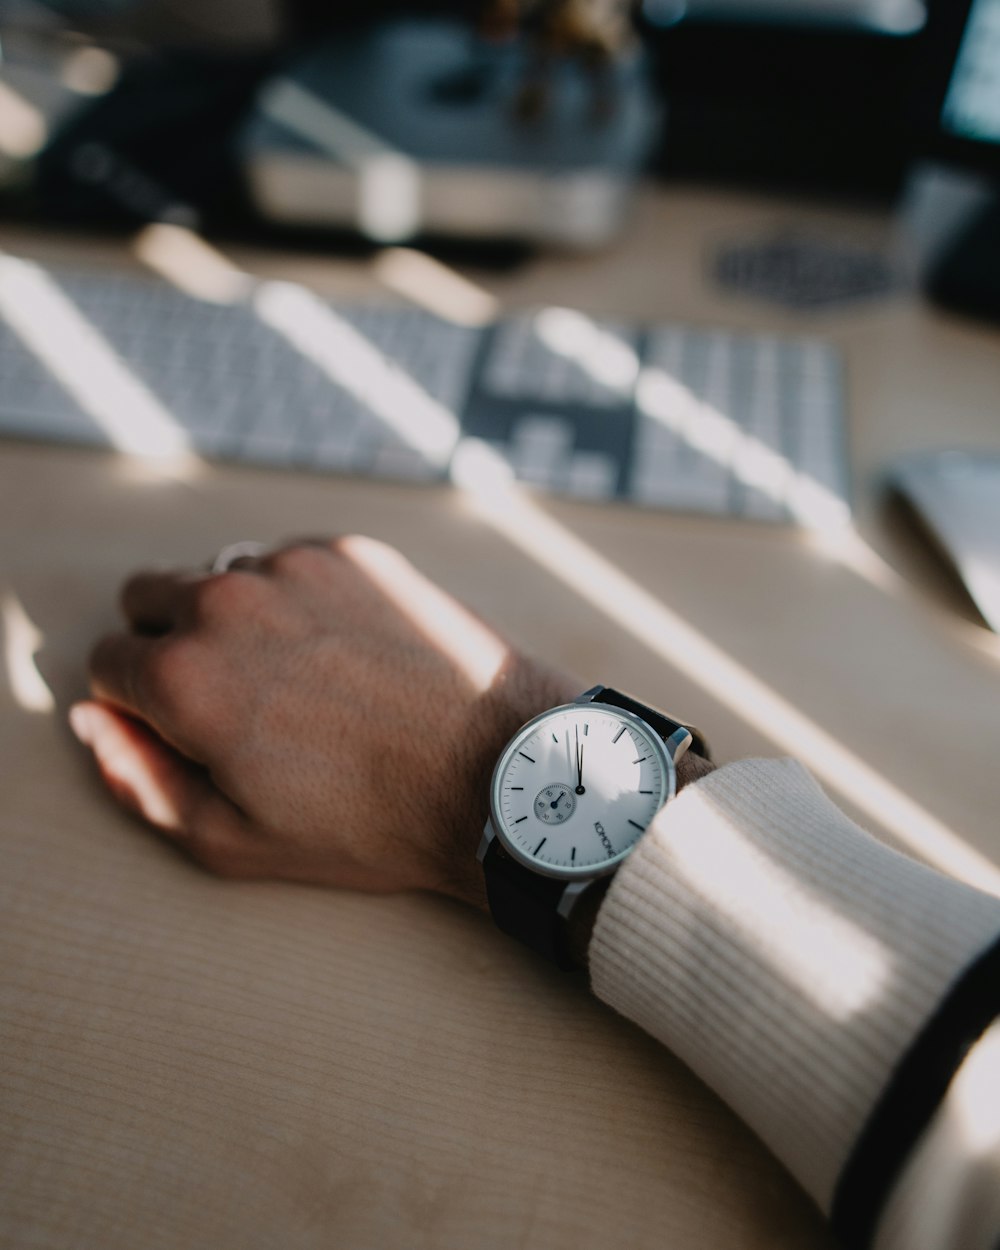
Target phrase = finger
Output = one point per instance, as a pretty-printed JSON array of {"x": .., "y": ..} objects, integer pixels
[
  {"x": 161, "y": 681},
  {"x": 155, "y": 602},
  {"x": 280, "y": 559},
  {"x": 172, "y": 794},
  {"x": 118, "y": 666}
]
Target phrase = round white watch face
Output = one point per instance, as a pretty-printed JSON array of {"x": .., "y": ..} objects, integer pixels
[{"x": 576, "y": 788}]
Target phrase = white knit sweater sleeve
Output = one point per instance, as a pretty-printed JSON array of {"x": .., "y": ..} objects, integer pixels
[{"x": 790, "y": 959}]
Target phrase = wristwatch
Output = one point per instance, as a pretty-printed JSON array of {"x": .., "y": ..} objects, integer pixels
[{"x": 571, "y": 795}]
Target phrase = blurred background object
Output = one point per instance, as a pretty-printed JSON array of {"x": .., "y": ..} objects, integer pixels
[
  {"x": 524, "y": 119},
  {"x": 800, "y": 94},
  {"x": 414, "y": 127},
  {"x": 959, "y": 107}
]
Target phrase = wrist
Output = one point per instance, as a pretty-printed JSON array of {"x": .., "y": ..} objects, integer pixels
[
  {"x": 521, "y": 690},
  {"x": 691, "y": 768}
]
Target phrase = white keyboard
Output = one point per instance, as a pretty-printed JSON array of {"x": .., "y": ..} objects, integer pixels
[{"x": 665, "y": 416}]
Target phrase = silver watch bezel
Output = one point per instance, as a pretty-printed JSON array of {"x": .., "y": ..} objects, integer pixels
[{"x": 588, "y": 872}]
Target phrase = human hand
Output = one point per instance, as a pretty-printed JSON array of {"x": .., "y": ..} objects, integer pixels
[{"x": 321, "y": 714}]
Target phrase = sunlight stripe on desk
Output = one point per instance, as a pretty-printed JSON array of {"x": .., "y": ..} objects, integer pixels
[
  {"x": 493, "y": 494},
  {"x": 191, "y": 264},
  {"x": 21, "y": 642},
  {"x": 353, "y": 362}
]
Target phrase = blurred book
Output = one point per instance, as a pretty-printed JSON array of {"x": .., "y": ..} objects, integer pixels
[{"x": 412, "y": 127}]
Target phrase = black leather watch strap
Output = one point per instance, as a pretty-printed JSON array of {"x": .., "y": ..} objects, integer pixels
[
  {"x": 524, "y": 905},
  {"x": 663, "y": 725}
]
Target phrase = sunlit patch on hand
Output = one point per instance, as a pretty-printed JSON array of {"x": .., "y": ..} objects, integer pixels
[{"x": 451, "y": 629}]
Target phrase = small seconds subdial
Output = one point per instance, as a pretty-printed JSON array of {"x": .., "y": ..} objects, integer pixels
[{"x": 555, "y": 804}]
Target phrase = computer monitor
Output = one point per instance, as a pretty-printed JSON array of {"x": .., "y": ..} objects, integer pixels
[{"x": 960, "y": 103}]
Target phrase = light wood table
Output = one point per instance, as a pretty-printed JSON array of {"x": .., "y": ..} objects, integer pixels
[{"x": 188, "y": 1063}]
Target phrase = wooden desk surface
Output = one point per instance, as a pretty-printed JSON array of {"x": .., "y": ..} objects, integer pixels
[{"x": 190, "y": 1062}]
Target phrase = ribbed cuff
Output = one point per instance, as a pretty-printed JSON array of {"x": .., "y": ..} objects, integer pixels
[{"x": 784, "y": 954}]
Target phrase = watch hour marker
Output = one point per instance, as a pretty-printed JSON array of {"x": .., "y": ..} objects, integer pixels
[
  {"x": 539, "y": 846},
  {"x": 519, "y": 819},
  {"x": 572, "y": 854},
  {"x": 527, "y": 757},
  {"x": 635, "y": 826},
  {"x": 586, "y": 730},
  {"x": 638, "y": 761},
  {"x": 618, "y": 734},
  {"x": 522, "y": 787},
  {"x": 641, "y": 791},
  {"x": 555, "y": 739}
]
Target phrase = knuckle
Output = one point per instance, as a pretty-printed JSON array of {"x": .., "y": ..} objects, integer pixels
[
  {"x": 225, "y": 596},
  {"x": 300, "y": 562},
  {"x": 112, "y": 669},
  {"x": 173, "y": 675},
  {"x": 101, "y": 653}
]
